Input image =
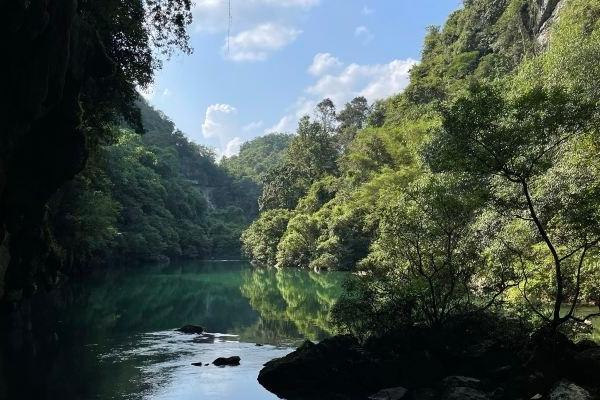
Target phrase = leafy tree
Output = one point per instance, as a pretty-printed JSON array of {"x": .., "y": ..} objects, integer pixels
[
  {"x": 260, "y": 240},
  {"x": 517, "y": 138},
  {"x": 310, "y": 156},
  {"x": 257, "y": 157},
  {"x": 352, "y": 119}
]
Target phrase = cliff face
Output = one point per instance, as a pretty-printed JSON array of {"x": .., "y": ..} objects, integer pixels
[
  {"x": 545, "y": 14},
  {"x": 50, "y": 57}
]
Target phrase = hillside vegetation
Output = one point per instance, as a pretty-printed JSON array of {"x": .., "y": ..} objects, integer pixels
[{"x": 476, "y": 187}]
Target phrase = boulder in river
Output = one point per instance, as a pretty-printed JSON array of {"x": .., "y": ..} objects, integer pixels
[
  {"x": 227, "y": 361},
  {"x": 197, "y": 364},
  {"x": 335, "y": 366},
  {"x": 191, "y": 329}
]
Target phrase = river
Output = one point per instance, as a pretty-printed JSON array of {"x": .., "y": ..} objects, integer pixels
[
  {"x": 112, "y": 336},
  {"x": 116, "y": 340}
]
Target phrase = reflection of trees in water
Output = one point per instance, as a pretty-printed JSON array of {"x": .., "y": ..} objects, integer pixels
[
  {"x": 289, "y": 296},
  {"x": 162, "y": 299}
]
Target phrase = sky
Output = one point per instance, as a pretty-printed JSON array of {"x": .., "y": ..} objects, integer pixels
[{"x": 279, "y": 58}]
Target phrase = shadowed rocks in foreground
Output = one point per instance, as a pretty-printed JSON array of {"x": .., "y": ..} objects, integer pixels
[{"x": 470, "y": 359}]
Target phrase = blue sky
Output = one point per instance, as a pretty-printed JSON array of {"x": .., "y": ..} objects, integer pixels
[{"x": 283, "y": 57}]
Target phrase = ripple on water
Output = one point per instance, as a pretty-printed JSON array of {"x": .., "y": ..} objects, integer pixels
[{"x": 164, "y": 371}]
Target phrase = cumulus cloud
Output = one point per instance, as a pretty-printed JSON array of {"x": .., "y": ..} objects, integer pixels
[
  {"x": 287, "y": 123},
  {"x": 373, "y": 81},
  {"x": 363, "y": 34},
  {"x": 322, "y": 63},
  {"x": 257, "y": 43},
  {"x": 220, "y": 121},
  {"x": 233, "y": 147}
]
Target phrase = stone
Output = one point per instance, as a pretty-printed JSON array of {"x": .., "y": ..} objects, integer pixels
[
  {"x": 227, "y": 361},
  {"x": 397, "y": 393},
  {"x": 335, "y": 366},
  {"x": 191, "y": 329},
  {"x": 565, "y": 390},
  {"x": 198, "y": 364},
  {"x": 464, "y": 393},
  {"x": 536, "y": 397}
]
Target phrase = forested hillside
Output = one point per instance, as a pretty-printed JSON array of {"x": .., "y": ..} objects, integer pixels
[
  {"x": 155, "y": 195},
  {"x": 478, "y": 182}
]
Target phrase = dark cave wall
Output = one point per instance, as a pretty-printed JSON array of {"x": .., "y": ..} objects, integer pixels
[{"x": 50, "y": 56}]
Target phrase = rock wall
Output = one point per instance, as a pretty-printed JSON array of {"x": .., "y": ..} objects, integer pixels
[
  {"x": 49, "y": 57},
  {"x": 547, "y": 12}
]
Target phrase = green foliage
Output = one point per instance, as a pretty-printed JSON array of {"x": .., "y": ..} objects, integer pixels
[
  {"x": 310, "y": 156},
  {"x": 152, "y": 197},
  {"x": 261, "y": 238},
  {"x": 476, "y": 188},
  {"x": 303, "y": 299},
  {"x": 258, "y": 156}
]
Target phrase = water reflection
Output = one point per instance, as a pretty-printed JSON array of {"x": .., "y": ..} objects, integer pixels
[
  {"x": 112, "y": 335},
  {"x": 292, "y": 303}
]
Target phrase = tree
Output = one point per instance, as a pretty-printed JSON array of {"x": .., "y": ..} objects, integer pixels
[
  {"x": 325, "y": 115},
  {"x": 310, "y": 156},
  {"x": 261, "y": 238},
  {"x": 351, "y": 119},
  {"x": 515, "y": 139}
]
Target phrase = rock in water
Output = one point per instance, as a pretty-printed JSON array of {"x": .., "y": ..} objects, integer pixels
[
  {"x": 197, "y": 364},
  {"x": 397, "y": 393},
  {"x": 227, "y": 361},
  {"x": 335, "y": 366},
  {"x": 191, "y": 329},
  {"x": 566, "y": 390}
]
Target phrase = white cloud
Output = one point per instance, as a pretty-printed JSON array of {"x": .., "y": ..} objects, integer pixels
[
  {"x": 220, "y": 121},
  {"x": 287, "y": 123},
  {"x": 367, "y": 10},
  {"x": 322, "y": 63},
  {"x": 252, "y": 126},
  {"x": 233, "y": 147},
  {"x": 257, "y": 43},
  {"x": 373, "y": 81},
  {"x": 364, "y": 34}
]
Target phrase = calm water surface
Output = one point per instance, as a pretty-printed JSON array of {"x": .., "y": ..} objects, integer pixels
[{"x": 116, "y": 341}]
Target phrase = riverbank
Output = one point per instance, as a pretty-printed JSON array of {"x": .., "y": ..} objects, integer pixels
[{"x": 470, "y": 359}]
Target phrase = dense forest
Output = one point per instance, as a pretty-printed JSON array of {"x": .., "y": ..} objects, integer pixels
[
  {"x": 154, "y": 195},
  {"x": 475, "y": 188}
]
